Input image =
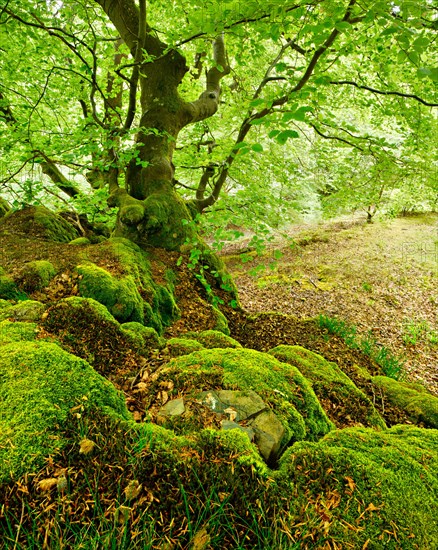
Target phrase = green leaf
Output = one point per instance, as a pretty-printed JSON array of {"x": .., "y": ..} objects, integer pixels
[
  {"x": 343, "y": 26},
  {"x": 257, "y": 148},
  {"x": 285, "y": 135}
]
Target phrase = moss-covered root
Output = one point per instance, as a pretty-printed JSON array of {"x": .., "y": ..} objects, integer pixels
[
  {"x": 281, "y": 386},
  {"x": 39, "y": 384},
  {"x": 358, "y": 488},
  {"x": 344, "y": 403},
  {"x": 214, "y": 339},
  {"x": 418, "y": 403}
]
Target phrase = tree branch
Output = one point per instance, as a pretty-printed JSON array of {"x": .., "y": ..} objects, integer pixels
[{"x": 384, "y": 92}]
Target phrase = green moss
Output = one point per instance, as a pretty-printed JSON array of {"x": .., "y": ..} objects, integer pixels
[
  {"x": 4, "y": 207},
  {"x": 281, "y": 386},
  {"x": 145, "y": 338},
  {"x": 216, "y": 339},
  {"x": 4, "y": 303},
  {"x": 119, "y": 296},
  {"x": 181, "y": 346},
  {"x": 9, "y": 290},
  {"x": 39, "y": 384},
  {"x": 374, "y": 489},
  {"x": 418, "y": 403},
  {"x": 28, "y": 310},
  {"x": 159, "y": 306},
  {"x": 80, "y": 241},
  {"x": 55, "y": 228},
  {"x": 344, "y": 402},
  {"x": 36, "y": 275},
  {"x": 16, "y": 332},
  {"x": 221, "y": 324}
]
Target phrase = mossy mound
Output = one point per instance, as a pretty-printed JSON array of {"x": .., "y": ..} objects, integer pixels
[
  {"x": 419, "y": 404},
  {"x": 119, "y": 296},
  {"x": 36, "y": 275},
  {"x": 38, "y": 222},
  {"x": 360, "y": 488},
  {"x": 87, "y": 329},
  {"x": 146, "y": 338},
  {"x": 216, "y": 339},
  {"x": 344, "y": 403},
  {"x": 4, "y": 207},
  {"x": 176, "y": 347},
  {"x": 27, "y": 310},
  {"x": 282, "y": 387},
  {"x": 39, "y": 384},
  {"x": 17, "y": 332}
]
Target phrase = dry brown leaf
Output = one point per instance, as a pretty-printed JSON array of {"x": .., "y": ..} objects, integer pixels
[
  {"x": 201, "y": 540},
  {"x": 86, "y": 446},
  {"x": 133, "y": 489},
  {"x": 351, "y": 483},
  {"x": 47, "y": 484},
  {"x": 137, "y": 416},
  {"x": 365, "y": 546}
]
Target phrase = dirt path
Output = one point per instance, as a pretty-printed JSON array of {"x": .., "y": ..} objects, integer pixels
[{"x": 383, "y": 278}]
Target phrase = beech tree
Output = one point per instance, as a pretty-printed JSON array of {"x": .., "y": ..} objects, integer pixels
[{"x": 127, "y": 95}]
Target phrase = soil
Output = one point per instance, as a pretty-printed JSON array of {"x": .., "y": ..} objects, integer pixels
[{"x": 381, "y": 277}]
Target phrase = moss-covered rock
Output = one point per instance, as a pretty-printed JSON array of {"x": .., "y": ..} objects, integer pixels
[
  {"x": 36, "y": 275},
  {"x": 359, "y": 488},
  {"x": 343, "y": 401},
  {"x": 39, "y": 384},
  {"x": 418, "y": 403},
  {"x": 119, "y": 296},
  {"x": 146, "y": 338},
  {"x": 27, "y": 310},
  {"x": 17, "y": 332},
  {"x": 39, "y": 222},
  {"x": 221, "y": 322},
  {"x": 282, "y": 387},
  {"x": 182, "y": 346}
]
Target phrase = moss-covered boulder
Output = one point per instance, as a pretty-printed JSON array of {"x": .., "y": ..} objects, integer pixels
[
  {"x": 36, "y": 275},
  {"x": 361, "y": 488},
  {"x": 39, "y": 384},
  {"x": 282, "y": 387},
  {"x": 85, "y": 327},
  {"x": 146, "y": 338},
  {"x": 17, "y": 332},
  {"x": 344, "y": 403},
  {"x": 27, "y": 310},
  {"x": 38, "y": 222},
  {"x": 176, "y": 347},
  {"x": 414, "y": 399}
]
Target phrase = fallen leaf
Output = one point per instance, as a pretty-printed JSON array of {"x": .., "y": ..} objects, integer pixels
[
  {"x": 133, "y": 489},
  {"x": 47, "y": 484},
  {"x": 201, "y": 540},
  {"x": 350, "y": 482},
  {"x": 86, "y": 446}
]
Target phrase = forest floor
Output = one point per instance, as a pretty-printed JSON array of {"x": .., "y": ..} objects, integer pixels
[{"x": 381, "y": 277}]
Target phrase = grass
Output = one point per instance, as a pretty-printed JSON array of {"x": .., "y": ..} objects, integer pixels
[
  {"x": 391, "y": 365},
  {"x": 415, "y": 331}
]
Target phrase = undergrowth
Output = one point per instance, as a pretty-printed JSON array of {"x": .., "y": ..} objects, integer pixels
[{"x": 392, "y": 366}]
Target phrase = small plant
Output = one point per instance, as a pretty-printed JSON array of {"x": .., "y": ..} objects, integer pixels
[
  {"x": 414, "y": 331},
  {"x": 367, "y": 287},
  {"x": 392, "y": 366}
]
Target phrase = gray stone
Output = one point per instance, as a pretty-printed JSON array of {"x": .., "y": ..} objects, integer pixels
[
  {"x": 244, "y": 404},
  {"x": 268, "y": 434},
  {"x": 175, "y": 407},
  {"x": 229, "y": 425}
]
